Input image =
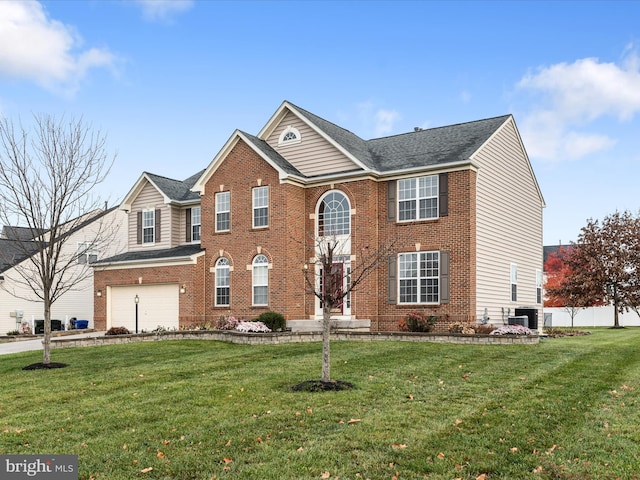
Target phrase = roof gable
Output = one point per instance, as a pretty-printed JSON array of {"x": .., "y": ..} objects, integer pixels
[{"x": 171, "y": 190}]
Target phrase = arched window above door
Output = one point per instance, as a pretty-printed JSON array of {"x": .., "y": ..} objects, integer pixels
[{"x": 334, "y": 214}]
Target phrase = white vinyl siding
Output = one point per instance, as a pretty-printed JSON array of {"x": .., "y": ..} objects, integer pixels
[
  {"x": 314, "y": 155},
  {"x": 150, "y": 199},
  {"x": 508, "y": 224}
]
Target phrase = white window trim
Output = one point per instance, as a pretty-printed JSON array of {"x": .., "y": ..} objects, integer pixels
[
  {"x": 318, "y": 215},
  {"x": 218, "y": 211},
  {"x": 253, "y": 211},
  {"x": 417, "y": 199},
  {"x": 152, "y": 213},
  {"x": 85, "y": 252},
  {"x": 513, "y": 281},
  {"x": 194, "y": 224},
  {"x": 289, "y": 129},
  {"x": 254, "y": 266},
  {"x": 418, "y": 278},
  {"x": 539, "y": 282},
  {"x": 226, "y": 267}
]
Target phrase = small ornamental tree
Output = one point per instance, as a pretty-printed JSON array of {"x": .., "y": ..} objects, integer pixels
[
  {"x": 605, "y": 265},
  {"x": 559, "y": 291},
  {"x": 326, "y": 279}
]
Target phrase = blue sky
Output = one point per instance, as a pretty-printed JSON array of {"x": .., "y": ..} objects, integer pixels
[{"x": 169, "y": 81}]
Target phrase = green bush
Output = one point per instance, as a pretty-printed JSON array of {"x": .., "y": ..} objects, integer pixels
[
  {"x": 13, "y": 332},
  {"x": 273, "y": 320}
]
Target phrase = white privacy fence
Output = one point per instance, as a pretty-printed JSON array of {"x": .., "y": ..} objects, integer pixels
[{"x": 589, "y": 317}]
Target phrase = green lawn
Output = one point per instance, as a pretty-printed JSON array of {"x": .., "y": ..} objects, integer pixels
[{"x": 567, "y": 408}]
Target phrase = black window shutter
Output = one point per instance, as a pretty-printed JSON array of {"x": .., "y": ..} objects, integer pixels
[
  {"x": 188, "y": 226},
  {"x": 443, "y": 187},
  {"x": 392, "y": 285},
  {"x": 139, "y": 229},
  {"x": 158, "y": 225},
  {"x": 444, "y": 277},
  {"x": 391, "y": 200}
]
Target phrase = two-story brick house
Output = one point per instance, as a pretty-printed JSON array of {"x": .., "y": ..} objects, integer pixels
[{"x": 460, "y": 205}]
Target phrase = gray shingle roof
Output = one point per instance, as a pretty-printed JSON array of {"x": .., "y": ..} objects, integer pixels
[
  {"x": 20, "y": 233},
  {"x": 433, "y": 146},
  {"x": 274, "y": 156},
  {"x": 13, "y": 252},
  {"x": 176, "y": 190},
  {"x": 422, "y": 148},
  {"x": 182, "y": 251}
]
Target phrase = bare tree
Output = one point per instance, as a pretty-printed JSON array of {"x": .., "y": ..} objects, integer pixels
[
  {"x": 331, "y": 284},
  {"x": 47, "y": 178}
]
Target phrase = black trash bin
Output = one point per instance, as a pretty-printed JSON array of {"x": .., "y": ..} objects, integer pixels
[
  {"x": 531, "y": 313},
  {"x": 56, "y": 326}
]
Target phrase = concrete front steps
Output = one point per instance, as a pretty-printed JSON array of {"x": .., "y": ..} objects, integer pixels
[{"x": 309, "y": 325}]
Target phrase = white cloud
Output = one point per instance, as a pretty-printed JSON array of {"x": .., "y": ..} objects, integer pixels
[
  {"x": 44, "y": 50},
  {"x": 384, "y": 121},
  {"x": 163, "y": 10},
  {"x": 573, "y": 96},
  {"x": 379, "y": 120}
]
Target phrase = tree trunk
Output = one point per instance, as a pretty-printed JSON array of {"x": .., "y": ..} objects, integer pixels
[
  {"x": 46, "y": 341},
  {"x": 326, "y": 333}
]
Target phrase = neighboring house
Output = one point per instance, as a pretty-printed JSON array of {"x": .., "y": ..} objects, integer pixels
[
  {"x": 460, "y": 204},
  {"x": 18, "y": 302}
]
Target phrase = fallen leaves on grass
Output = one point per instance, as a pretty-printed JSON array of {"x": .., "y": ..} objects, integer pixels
[
  {"x": 398, "y": 445},
  {"x": 146, "y": 470}
]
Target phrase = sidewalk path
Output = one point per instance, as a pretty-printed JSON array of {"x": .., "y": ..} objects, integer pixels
[{"x": 36, "y": 344}]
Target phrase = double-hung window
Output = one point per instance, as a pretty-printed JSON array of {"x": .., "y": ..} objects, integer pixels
[
  {"x": 87, "y": 253},
  {"x": 514, "y": 282},
  {"x": 195, "y": 224},
  {"x": 223, "y": 284},
  {"x": 223, "y": 211},
  {"x": 418, "y": 198},
  {"x": 419, "y": 277},
  {"x": 260, "y": 280},
  {"x": 148, "y": 226},
  {"x": 538, "y": 286},
  {"x": 260, "y": 207}
]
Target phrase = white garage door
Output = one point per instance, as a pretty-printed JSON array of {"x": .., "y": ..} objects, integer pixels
[{"x": 157, "y": 306}]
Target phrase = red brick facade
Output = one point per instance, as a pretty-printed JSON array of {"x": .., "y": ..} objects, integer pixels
[{"x": 287, "y": 243}]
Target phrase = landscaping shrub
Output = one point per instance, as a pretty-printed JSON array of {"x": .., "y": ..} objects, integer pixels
[
  {"x": 417, "y": 322},
  {"x": 117, "y": 331},
  {"x": 463, "y": 328},
  {"x": 274, "y": 321},
  {"x": 484, "y": 328},
  {"x": 13, "y": 332},
  {"x": 228, "y": 323},
  {"x": 257, "y": 327},
  {"x": 512, "y": 330}
]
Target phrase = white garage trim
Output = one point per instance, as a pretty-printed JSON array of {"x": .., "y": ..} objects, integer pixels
[{"x": 158, "y": 305}]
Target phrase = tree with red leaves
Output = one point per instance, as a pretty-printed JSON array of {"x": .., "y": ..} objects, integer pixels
[{"x": 604, "y": 265}]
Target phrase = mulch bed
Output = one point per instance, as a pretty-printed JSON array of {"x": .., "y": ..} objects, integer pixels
[
  {"x": 44, "y": 366},
  {"x": 320, "y": 386}
]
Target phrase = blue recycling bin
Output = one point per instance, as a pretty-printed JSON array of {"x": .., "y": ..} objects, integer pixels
[{"x": 82, "y": 324}]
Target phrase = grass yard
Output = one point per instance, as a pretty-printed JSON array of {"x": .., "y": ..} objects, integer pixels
[{"x": 567, "y": 408}]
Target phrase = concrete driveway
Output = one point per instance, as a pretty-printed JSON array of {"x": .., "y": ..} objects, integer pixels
[{"x": 18, "y": 346}]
